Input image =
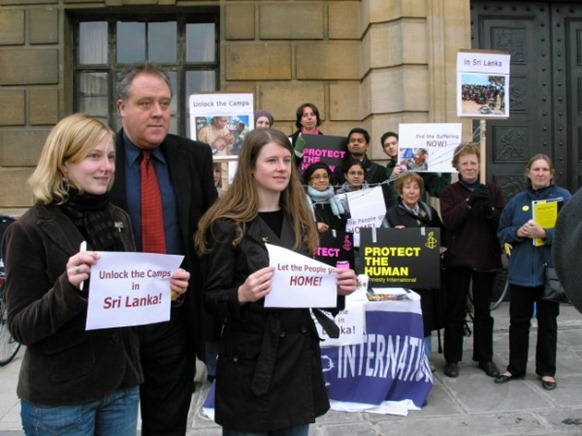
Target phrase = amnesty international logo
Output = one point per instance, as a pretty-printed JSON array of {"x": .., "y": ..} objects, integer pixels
[{"x": 431, "y": 241}]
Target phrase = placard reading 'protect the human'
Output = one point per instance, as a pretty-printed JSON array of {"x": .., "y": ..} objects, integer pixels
[
  {"x": 128, "y": 289},
  {"x": 407, "y": 258}
]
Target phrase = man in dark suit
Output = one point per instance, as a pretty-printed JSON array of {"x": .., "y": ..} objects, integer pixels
[{"x": 184, "y": 173}]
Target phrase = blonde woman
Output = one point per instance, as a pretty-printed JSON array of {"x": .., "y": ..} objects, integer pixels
[{"x": 72, "y": 380}]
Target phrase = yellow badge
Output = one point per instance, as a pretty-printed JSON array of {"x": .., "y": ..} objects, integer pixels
[{"x": 525, "y": 208}]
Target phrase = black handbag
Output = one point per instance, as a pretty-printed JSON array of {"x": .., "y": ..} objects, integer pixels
[{"x": 553, "y": 290}]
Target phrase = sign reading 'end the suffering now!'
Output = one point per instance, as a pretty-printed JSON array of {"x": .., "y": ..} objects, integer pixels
[{"x": 128, "y": 289}]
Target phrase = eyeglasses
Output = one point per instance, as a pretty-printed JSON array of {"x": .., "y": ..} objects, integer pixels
[
  {"x": 356, "y": 173},
  {"x": 320, "y": 177}
]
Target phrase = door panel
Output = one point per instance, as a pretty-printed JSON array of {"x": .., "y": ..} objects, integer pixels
[{"x": 544, "y": 40}]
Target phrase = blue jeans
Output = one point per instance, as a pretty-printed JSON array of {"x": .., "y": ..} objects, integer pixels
[
  {"x": 427, "y": 346},
  {"x": 114, "y": 414},
  {"x": 297, "y": 430}
]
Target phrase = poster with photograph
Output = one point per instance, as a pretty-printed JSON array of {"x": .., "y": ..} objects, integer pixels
[
  {"x": 483, "y": 84},
  {"x": 428, "y": 147},
  {"x": 221, "y": 120}
]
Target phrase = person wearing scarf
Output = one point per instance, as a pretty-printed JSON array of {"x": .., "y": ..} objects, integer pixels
[
  {"x": 410, "y": 211},
  {"x": 327, "y": 211},
  {"x": 72, "y": 380},
  {"x": 470, "y": 211},
  {"x": 355, "y": 176}
]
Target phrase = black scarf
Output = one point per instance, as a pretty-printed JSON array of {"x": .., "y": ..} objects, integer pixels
[{"x": 90, "y": 215}]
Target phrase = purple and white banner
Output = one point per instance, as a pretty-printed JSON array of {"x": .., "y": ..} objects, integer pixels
[{"x": 390, "y": 366}]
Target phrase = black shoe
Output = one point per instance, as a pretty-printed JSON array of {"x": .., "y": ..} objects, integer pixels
[
  {"x": 489, "y": 368},
  {"x": 452, "y": 369},
  {"x": 503, "y": 378},
  {"x": 549, "y": 385}
]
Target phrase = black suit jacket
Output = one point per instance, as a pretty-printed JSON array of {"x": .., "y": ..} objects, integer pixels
[{"x": 190, "y": 168}]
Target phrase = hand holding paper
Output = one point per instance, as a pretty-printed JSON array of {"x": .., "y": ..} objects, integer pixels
[
  {"x": 79, "y": 266},
  {"x": 347, "y": 281},
  {"x": 256, "y": 286},
  {"x": 179, "y": 283}
]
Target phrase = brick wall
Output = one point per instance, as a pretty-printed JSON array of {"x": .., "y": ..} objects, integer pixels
[{"x": 370, "y": 63}]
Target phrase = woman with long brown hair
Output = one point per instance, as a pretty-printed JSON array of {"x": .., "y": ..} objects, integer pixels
[{"x": 269, "y": 375}]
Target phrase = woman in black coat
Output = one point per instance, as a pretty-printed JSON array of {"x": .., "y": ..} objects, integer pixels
[
  {"x": 269, "y": 375},
  {"x": 411, "y": 212}
]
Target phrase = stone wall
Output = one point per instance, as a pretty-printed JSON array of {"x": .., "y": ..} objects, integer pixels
[{"x": 370, "y": 63}]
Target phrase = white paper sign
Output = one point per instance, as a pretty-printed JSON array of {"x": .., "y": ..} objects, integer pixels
[
  {"x": 300, "y": 281},
  {"x": 367, "y": 209},
  {"x": 351, "y": 322},
  {"x": 428, "y": 147},
  {"x": 483, "y": 84},
  {"x": 128, "y": 289}
]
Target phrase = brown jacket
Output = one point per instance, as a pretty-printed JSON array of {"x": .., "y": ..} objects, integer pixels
[{"x": 63, "y": 364}]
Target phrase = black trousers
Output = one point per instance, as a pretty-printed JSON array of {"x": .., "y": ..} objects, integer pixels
[
  {"x": 458, "y": 281},
  {"x": 169, "y": 364},
  {"x": 521, "y": 309}
]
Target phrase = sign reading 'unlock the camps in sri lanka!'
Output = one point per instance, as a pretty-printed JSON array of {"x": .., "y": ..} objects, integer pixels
[{"x": 407, "y": 258}]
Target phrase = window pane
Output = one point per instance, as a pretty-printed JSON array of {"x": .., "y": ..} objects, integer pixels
[
  {"x": 200, "y": 81},
  {"x": 162, "y": 40},
  {"x": 93, "y": 42},
  {"x": 197, "y": 81},
  {"x": 200, "y": 42},
  {"x": 174, "y": 79},
  {"x": 130, "y": 42},
  {"x": 174, "y": 116},
  {"x": 93, "y": 94}
]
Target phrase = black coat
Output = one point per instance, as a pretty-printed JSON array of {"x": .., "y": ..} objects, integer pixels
[
  {"x": 253, "y": 392},
  {"x": 324, "y": 214},
  {"x": 432, "y": 301},
  {"x": 63, "y": 364},
  {"x": 470, "y": 232},
  {"x": 190, "y": 168}
]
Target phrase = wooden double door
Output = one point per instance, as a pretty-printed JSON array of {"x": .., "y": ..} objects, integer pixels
[{"x": 545, "y": 43}]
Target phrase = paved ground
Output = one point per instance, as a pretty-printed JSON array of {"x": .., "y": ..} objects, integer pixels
[{"x": 468, "y": 405}]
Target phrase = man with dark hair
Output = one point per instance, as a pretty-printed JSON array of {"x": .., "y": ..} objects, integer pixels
[
  {"x": 183, "y": 190},
  {"x": 358, "y": 144}
]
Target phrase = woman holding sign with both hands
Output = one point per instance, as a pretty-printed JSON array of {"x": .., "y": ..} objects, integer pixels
[
  {"x": 526, "y": 274},
  {"x": 71, "y": 380},
  {"x": 410, "y": 211},
  {"x": 269, "y": 376}
]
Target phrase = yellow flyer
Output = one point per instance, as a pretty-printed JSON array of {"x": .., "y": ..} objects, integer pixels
[{"x": 545, "y": 214}]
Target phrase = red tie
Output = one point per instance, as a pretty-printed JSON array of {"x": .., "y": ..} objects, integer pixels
[{"x": 152, "y": 218}]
